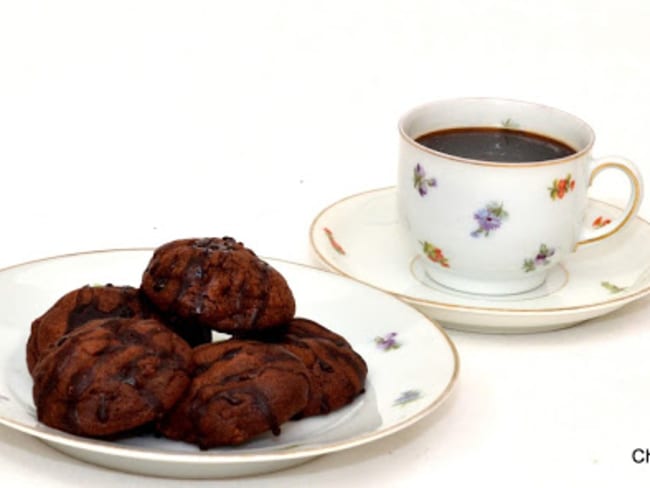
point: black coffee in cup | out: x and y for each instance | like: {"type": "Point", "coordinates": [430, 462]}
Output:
{"type": "Point", "coordinates": [495, 144]}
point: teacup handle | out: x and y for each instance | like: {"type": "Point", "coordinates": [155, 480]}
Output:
{"type": "Point", "coordinates": [633, 203]}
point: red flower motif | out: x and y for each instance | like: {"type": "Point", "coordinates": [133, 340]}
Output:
{"type": "Point", "coordinates": [561, 187]}
{"type": "Point", "coordinates": [435, 254]}
{"type": "Point", "coordinates": [600, 221]}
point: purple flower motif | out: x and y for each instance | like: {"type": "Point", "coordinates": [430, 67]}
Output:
{"type": "Point", "coordinates": [544, 253]}
{"type": "Point", "coordinates": [487, 221]}
{"type": "Point", "coordinates": [489, 218]}
{"type": "Point", "coordinates": [540, 259]}
{"type": "Point", "coordinates": [421, 182]}
{"type": "Point", "coordinates": [2, 397]}
{"type": "Point", "coordinates": [387, 342]}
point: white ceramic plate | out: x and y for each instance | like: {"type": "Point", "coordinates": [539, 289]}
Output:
{"type": "Point", "coordinates": [405, 382]}
{"type": "Point", "coordinates": [360, 238]}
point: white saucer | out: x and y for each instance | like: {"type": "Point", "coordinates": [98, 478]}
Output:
{"type": "Point", "coordinates": [359, 237]}
{"type": "Point", "coordinates": [411, 369]}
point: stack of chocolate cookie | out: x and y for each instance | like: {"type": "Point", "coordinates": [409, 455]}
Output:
{"type": "Point", "coordinates": [108, 360]}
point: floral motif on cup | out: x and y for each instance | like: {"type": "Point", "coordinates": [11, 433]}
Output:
{"type": "Point", "coordinates": [4, 398]}
{"type": "Point", "coordinates": [333, 242]}
{"type": "Point", "coordinates": [387, 342]}
{"type": "Point", "coordinates": [540, 259]}
{"type": "Point", "coordinates": [407, 396]}
{"type": "Point", "coordinates": [434, 254]}
{"type": "Point", "coordinates": [561, 187]}
{"type": "Point", "coordinates": [611, 287]}
{"type": "Point", "coordinates": [489, 219]}
{"type": "Point", "coordinates": [600, 222]}
{"type": "Point", "coordinates": [420, 181]}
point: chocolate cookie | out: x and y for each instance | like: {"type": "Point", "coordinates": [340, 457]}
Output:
{"type": "Point", "coordinates": [240, 389]}
{"type": "Point", "coordinates": [111, 376]}
{"type": "Point", "coordinates": [78, 307]}
{"type": "Point", "coordinates": [218, 283]}
{"type": "Point", "coordinates": [337, 373]}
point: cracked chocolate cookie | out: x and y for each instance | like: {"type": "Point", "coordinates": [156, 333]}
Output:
{"type": "Point", "coordinates": [111, 376]}
{"type": "Point", "coordinates": [77, 307]}
{"type": "Point", "coordinates": [218, 283]}
{"type": "Point", "coordinates": [87, 303]}
{"type": "Point", "coordinates": [240, 389]}
{"type": "Point", "coordinates": [337, 373]}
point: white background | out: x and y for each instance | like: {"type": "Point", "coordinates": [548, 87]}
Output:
{"type": "Point", "coordinates": [130, 123]}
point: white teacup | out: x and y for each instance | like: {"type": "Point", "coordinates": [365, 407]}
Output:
{"type": "Point", "coordinates": [493, 227]}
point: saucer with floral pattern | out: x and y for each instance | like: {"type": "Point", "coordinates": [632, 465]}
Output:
{"type": "Point", "coordinates": [359, 237]}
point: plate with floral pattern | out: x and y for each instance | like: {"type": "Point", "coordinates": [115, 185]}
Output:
{"type": "Point", "coordinates": [412, 367]}
{"type": "Point", "coordinates": [361, 237]}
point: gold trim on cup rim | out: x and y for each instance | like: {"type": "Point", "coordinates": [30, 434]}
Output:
{"type": "Point", "coordinates": [478, 162]}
